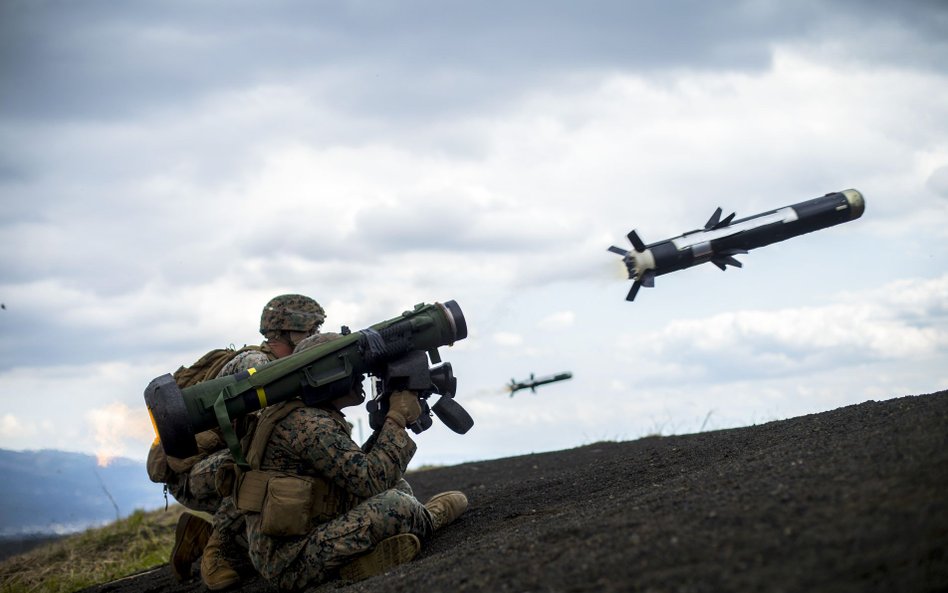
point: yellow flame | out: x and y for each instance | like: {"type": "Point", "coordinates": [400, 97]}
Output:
{"type": "Point", "coordinates": [154, 426]}
{"type": "Point", "coordinates": [621, 271]}
{"type": "Point", "coordinates": [116, 427]}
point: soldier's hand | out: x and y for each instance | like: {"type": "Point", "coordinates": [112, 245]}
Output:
{"type": "Point", "coordinates": [403, 408]}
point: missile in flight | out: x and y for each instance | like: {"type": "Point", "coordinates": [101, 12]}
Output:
{"type": "Point", "coordinates": [533, 383]}
{"type": "Point", "coordinates": [721, 239]}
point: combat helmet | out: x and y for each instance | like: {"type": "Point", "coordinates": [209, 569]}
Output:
{"type": "Point", "coordinates": [291, 313]}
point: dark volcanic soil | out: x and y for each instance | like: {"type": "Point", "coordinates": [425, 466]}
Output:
{"type": "Point", "coordinates": [850, 500]}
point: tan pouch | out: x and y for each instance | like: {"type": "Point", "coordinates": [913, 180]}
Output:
{"type": "Point", "coordinates": [182, 466]}
{"type": "Point", "coordinates": [209, 441]}
{"type": "Point", "coordinates": [157, 464]}
{"type": "Point", "coordinates": [251, 490]}
{"type": "Point", "coordinates": [287, 508]}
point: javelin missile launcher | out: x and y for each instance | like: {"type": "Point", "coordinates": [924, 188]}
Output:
{"type": "Point", "coordinates": [721, 239]}
{"type": "Point", "coordinates": [397, 351]}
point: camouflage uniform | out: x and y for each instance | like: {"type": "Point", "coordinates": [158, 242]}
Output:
{"type": "Point", "coordinates": [196, 489]}
{"type": "Point", "coordinates": [249, 359]}
{"type": "Point", "coordinates": [316, 441]}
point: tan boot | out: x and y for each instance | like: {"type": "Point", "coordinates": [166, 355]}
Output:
{"type": "Point", "coordinates": [216, 571]}
{"type": "Point", "coordinates": [190, 537]}
{"type": "Point", "coordinates": [389, 553]}
{"type": "Point", "coordinates": [446, 507]}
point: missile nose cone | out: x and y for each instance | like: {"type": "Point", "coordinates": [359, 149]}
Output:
{"type": "Point", "coordinates": [857, 204]}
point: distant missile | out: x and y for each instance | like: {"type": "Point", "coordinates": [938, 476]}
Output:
{"type": "Point", "coordinates": [532, 383]}
{"type": "Point", "coordinates": [720, 240]}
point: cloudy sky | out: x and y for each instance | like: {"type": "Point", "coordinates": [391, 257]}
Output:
{"type": "Point", "coordinates": [166, 168]}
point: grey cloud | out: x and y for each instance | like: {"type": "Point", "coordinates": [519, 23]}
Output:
{"type": "Point", "coordinates": [423, 223]}
{"type": "Point", "coordinates": [34, 336]}
{"type": "Point", "coordinates": [723, 353]}
{"type": "Point", "coordinates": [13, 170]}
{"type": "Point", "coordinates": [938, 182]}
{"type": "Point", "coordinates": [94, 60]}
{"type": "Point", "coordinates": [753, 360]}
{"type": "Point", "coordinates": [106, 251]}
{"type": "Point", "coordinates": [380, 234]}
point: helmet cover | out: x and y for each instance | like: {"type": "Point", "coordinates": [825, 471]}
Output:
{"type": "Point", "coordinates": [291, 312]}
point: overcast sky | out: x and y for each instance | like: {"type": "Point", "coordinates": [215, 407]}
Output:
{"type": "Point", "coordinates": [168, 167]}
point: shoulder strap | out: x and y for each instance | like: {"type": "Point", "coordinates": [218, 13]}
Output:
{"type": "Point", "coordinates": [268, 420]}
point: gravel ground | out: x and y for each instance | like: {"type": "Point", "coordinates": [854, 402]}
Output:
{"type": "Point", "coordinates": [855, 499]}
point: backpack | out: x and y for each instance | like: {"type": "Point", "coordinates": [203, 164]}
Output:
{"type": "Point", "coordinates": [207, 367]}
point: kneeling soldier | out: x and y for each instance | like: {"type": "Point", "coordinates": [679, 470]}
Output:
{"type": "Point", "coordinates": [317, 505]}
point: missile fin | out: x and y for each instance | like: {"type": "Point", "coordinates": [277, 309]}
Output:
{"type": "Point", "coordinates": [633, 291]}
{"type": "Point", "coordinates": [714, 220]}
{"type": "Point", "coordinates": [648, 279]}
{"type": "Point", "coordinates": [727, 220]}
{"type": "Point", "coordinates": [724, 260]}
{"type": "Point", "coordinates": [618, 250]}
{"type": "Point", "coordinates": [636, 241]}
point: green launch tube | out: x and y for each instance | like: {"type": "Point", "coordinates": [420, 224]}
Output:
{"type": "Point", "coordinates": [318, 374]}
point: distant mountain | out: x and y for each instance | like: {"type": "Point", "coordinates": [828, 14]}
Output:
{"type": "Point", "coordinates": [49, 491]}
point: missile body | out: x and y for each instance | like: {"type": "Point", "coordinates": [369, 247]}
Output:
{"type": "Point", "coordinates": [720, 240]}
{"type": "Point", "coordinates": [532, 383]}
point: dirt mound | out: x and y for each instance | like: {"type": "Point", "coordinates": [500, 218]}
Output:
{"type": "Point", "coordinates": [849, 500]}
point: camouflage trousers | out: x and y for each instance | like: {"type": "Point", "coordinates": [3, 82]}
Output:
{"type": "Point", "coordinates": [291, 566]}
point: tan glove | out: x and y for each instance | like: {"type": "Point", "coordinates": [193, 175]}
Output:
{"type": "Point", "coordinates": [403, 408]}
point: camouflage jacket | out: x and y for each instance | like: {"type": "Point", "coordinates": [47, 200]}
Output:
{"type": "Point", "coordinates": [316, 441]}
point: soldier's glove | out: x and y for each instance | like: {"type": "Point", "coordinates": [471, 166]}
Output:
{"type": "Point", "coordinates": [403, 408]}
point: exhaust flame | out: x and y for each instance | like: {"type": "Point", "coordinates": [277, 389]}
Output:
{"type": "Point", "coordinates": [114, 426]}
{"type": "Point", "coordinates": [614, 269]}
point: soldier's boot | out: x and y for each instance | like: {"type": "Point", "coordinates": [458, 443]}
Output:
{"type": "Point", "coordinates": [389, 553]}
{"type": "Point", "coordinates": [190, 537]}
{"type": "Point", "coordinates": [446, 507]}
{"type": "Point", "coordinates": [216, 571]}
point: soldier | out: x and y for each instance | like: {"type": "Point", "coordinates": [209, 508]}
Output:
{"type": "Point", "coordinates": [317, 505]}
{"type": "Point", "coordinates": [286, 320]}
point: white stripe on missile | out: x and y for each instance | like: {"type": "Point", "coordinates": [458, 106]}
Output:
{"type": "Point", "coordinates": [783, 215]}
